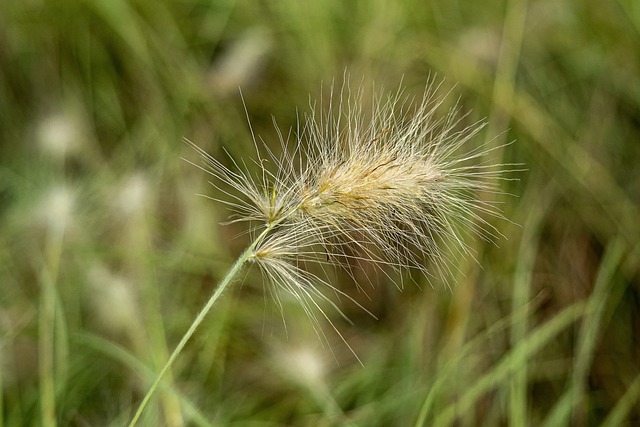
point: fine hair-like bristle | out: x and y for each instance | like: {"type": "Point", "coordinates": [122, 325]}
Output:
{"type": "Point", "coordinates": [396, 185]}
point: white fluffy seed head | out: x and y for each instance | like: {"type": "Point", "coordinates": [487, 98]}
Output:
{"type": "Point", "coordinates": [393, 185]}
{"type": "Point", "coordinates": [60, 135]}
{"type": "Point", "coordinates": [57, 208]}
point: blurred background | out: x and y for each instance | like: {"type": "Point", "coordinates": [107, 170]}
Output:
{"type": "Point", "coordinates": [107, 252]}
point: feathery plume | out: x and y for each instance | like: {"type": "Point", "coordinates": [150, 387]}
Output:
{"type": "Point", "coordinates": [394, 186]}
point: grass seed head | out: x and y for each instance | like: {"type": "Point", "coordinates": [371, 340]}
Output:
{"type": "Point", "coordinates": [395, 185]}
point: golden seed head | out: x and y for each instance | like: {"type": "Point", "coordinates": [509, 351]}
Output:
{"type": "Point", "coordinates": [385, 186]}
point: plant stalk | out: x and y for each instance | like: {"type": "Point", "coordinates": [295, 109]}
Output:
{"type": "Point", "coordinates": [224, 284]}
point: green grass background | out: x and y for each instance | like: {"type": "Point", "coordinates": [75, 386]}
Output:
{"type": "Point", "coordinates": [107, 253]}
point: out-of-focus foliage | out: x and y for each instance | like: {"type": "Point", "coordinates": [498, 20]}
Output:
{"type": "Point", "coordinates": [107, 253]}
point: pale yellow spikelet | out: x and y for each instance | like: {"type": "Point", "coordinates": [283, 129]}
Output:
{"type": "Point", "coordinates": [282, 257]}
{"type": "Point", "coordinates": [394, 185]}
{"type": "Point", "coordinates": [379, 186]}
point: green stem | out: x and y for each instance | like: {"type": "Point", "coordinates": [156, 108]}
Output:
{"type": "Point", "coordinates": [233, 271]}
{"type": "Point", "coordinates": [46, 327]}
